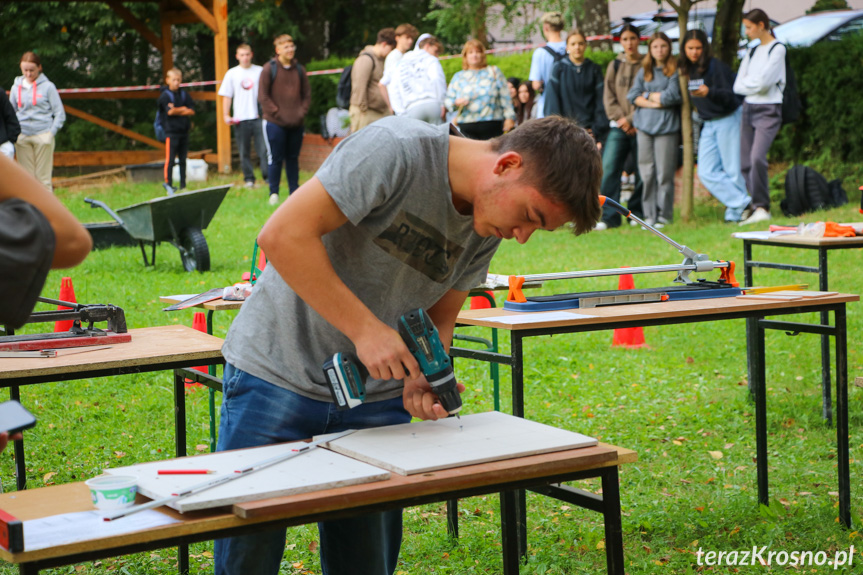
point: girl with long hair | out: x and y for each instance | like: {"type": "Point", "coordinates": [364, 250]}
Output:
{"type": "Point", "coordinates": [621, 139]}
{"type": "Point", "coordinates": [761, 80]}
{"type": "Point", "coordinates": [527, 108]}
{"type": "Point", "coordinates": [656, 95]}
{"type": "Point", "coordinates": [40, 114]}
{"type": "Point", "coordinates": [711, 83]}
{"type": "Point", "coordinates": [575, 88]}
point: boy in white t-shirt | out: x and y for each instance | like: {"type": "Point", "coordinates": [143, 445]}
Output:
{"type": "Point", "coordinates": [240, 88]}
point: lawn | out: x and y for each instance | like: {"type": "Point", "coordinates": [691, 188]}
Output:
{"type": "Point", "coordinates": [681, 403]}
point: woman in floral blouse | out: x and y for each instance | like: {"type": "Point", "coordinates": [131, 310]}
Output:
{"type": "Point", "coordinates": [479, 96]}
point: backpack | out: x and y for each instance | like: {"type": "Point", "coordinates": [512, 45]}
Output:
{"type": "Point", "coordinates": [791, 104]}
{"type": "Point", "coordinates": [807, 191]}
{"type": "Point", "coordinates": [343, 91]}
{"type": "Point", "coordinates": [274, 70]}
{"type": "Point", "coordinates": [158, 123]}
{"type": "Point", "coordinates": [554, 54]}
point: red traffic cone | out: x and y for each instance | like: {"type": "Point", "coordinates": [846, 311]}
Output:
{"type": "Point", "coordinates": [481, 302]}
{"type": "Point", "coordinates": [628, 336]}
{"type": "Point", "coordinates": [199, 323]}
{"type": "Point", "coordinates": [67, 293]}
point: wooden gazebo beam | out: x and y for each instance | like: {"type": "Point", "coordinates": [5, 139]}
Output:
{"type": "Point", "coordinates": [203, 14]}
{"type": "Point", "coordinates": [136, 24]}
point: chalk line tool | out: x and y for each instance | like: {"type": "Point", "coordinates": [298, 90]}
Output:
{"type": "Point", "coordinates": [198, 488]}
{"type": "Point", "coordinates": [184, 472]}
{"type": "Point", "coordinates": [692, 288]}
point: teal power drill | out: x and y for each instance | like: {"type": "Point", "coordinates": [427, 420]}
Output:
{"type": "Point", "coordinates": [345, 376]}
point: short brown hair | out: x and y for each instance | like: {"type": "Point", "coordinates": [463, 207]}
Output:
{"type": "Point", "coordinates": [407, 30]}
{"type": "Point", "coordinates": [283, 39]}
{"type": "Point", "coordinates": [562, 163]}
{"type": "Point", "coordinates": [244, 47]}
{"type": "Point", "coordinates": [554, 21]}
{"type": "Point", "coordinates": [387, 36]}
{"type": "Point", "coordinates": [473, 44]}
{"type": "Point", "coordinates": [175, 71]}
{"type": "Point", "coordinates": [31, 57]}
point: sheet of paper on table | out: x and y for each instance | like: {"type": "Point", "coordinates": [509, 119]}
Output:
{"type": "Point", "coordinates": [83, 525]}
{"type": "Point", "coordinates": [762, 235]}
{"type": "Point", "coordinates": [538, 317]}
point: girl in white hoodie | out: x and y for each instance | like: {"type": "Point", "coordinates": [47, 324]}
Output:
{"type": "Point", "coordinates": [761, 79]}
{"type": "Point", "coordinates": [40, 113]}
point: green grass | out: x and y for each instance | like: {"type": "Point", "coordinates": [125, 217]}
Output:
{"type": "Point", "coordinates": [674, 403]}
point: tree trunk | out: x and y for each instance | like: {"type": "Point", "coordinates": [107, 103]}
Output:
{"type": "Point", "coordinates": [726, 29]}
{"type": "Point", "coordinates": [478, 28]}
{"type": "Point", "coordinates": [595, 22]}
{"type": "Point", "coordinates": [688, 174]}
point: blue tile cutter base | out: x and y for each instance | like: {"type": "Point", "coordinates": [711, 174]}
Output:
{"type": "Point", "coordinates": [691, 289]}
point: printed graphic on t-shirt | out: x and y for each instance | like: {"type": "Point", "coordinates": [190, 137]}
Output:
{"type": "Point", "coordinates": [247, 83]}
{"type": "Point", "coordinates": [419, 245]}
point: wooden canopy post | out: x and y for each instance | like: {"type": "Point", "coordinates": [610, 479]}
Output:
{"type": "Point", "coordinates": [220, 39]}
{"type": "Point", "coordinates": [167, 42]}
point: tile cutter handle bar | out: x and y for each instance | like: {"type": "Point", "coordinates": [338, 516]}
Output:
{"type": "Point", "coordinates": [692, 262]}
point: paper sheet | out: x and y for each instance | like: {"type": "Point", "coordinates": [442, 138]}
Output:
{"type": "Point", "coordinates": [72, 527]}
{"type": "Point", "coordinates": [538, 317]}
{"type": "Point", "coordinates": [763, 235]}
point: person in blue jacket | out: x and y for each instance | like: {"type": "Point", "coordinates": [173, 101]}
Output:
{"type": "Point", "coordinates": [655, 93]}
{"type": "Point", "coordinates": [711, 84]}
{"type": "Point", "coordinates": [575, 88]}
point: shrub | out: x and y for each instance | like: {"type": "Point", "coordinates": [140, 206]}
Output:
{"type": "Point", "coordinates": [828, 79]}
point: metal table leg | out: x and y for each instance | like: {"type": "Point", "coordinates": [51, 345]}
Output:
{"type": "Point", "coordinates": [613, 523]}
{"type": "Point", "coordinates": [750, 322]}
{"type": "Point", "coordinates": [826, 380]}
{"type": "Point", "coordinates": [180, 443]}
{"type": "Point", "coordinates": [211, 369]}
{"type": "Point", "coordinates": [842, 417]}
{"type": "Point", "coordinates": [519, 499]}
{"type": "Point", "coordinates": [758, 373]}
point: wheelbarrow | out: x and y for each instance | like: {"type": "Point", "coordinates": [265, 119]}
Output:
{"type": "Point", "coordinates": [178, 218]}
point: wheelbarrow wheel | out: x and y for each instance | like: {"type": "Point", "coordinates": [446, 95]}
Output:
{"type": "Point", "coordinates": [194, 251]}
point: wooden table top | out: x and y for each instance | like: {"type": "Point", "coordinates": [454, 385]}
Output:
{"type": "Point", "coordinates": [648, 311]}
{"type": "Point", "coordinates": [74, 497]}
{"type": "Point", "coordinates": [150, 346]}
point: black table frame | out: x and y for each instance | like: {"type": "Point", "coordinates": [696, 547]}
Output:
{"type": "Point", "coordinates": [15, 383]}
{"type": "Point", "coordinates": [757, 367]}
{"type": "Point", "coordinates": [823, 285]}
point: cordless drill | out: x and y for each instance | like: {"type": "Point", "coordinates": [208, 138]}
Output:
{"type": "Point", "coordinates": [345, 375]}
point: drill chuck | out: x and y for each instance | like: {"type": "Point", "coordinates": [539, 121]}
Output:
{"type": "Point", "coordinates": [443, 384]}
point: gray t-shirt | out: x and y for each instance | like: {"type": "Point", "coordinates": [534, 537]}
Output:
{"type": "Point", "coordinates": [404, 246]}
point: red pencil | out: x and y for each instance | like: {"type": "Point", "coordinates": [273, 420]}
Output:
{"type": "Point", "coordinates": [184, 471]}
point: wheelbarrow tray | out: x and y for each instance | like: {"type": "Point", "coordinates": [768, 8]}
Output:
{"type": "Point", "coordinates": [109, 234]}
{"type": "Point", "coordinates": [162, 219]}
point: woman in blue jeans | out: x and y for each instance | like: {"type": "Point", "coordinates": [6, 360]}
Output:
{"type": "Point", "coordinates": [619, 77]}
{"type": "Point", "coordinates": [711, 84]}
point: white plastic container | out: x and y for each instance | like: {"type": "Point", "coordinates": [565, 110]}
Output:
{"type": "Point", "coordinates": [113, 491]}
{"type": "Point", "coordinates": [196, 171]}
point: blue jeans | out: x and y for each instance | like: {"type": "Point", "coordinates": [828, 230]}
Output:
{"type": "Point", "coordinates": [254, 413]}
{"type": "Point", "coordinates": [617, 147]}
{"type": "Point", "coordinates": [283, 145]}
{"type": "Point", "coordinates": [719, 163]}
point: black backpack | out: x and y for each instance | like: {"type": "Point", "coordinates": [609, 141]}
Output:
{"type": "Point", "coordinates": [807, 191]}
{"type": "Point", "coordinates": [274, 69]}
{"type": "Point", "coordinates": [554, 54]}
{"type": "Point", "coordinates": [343, 91]}
{"type": "Point", "coordinates": [791, 104]}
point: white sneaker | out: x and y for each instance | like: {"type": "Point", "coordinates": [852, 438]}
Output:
{"type": "Point", "coordinates": [600, 226]}
{"type": "Point", "coordinates": [633, 223]}
{"type": "Point", "coordinates": [274, 199]}
{"type": "Point", "coordinates": [658, 225]}
{"type": "Point", "coordinates": [249, 184]}
{"type": "Point", "coordinates": [759, 215]}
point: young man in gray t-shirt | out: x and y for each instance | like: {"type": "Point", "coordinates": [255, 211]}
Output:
{"type": "Point", "coordinates": [401, 215]}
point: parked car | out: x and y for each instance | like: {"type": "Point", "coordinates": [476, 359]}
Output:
{"type": "Point", "coordinates": [819, 27]}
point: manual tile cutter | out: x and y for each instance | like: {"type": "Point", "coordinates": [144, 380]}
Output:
{"type": "Point", "coordinates": [726, 286]}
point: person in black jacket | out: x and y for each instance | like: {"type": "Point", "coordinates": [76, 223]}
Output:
{"type": "Point", "coordinates": [176, 108]}
{"type": "Point", "coordinates": [10, 129]}
{"type": "Point", "coordinates": [575, 87]}
{"type": "Point", "coordinates": [711, 84]}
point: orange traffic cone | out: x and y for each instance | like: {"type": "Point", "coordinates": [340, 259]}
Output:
{"type": "Point", "coordinates": [628, 336]}
{"type": "Point", "coordinates": [67, 293]}
{"type": "Point", "coordinates": [481, 302]}
{"type": "Point", "coordinates": [199, 323]}
{"type": "Point", "coordinates": [262, 259]}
